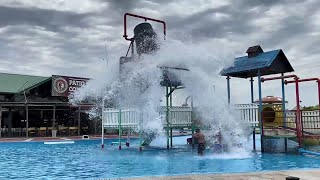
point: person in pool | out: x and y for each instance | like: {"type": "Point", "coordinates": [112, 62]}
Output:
{"type": "Point", "coordinates": [201, 141]}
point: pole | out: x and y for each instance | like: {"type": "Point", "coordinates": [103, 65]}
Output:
{"type": "Point", "coordinates": [284, 111]}
{"type": "Point", "coordinates": [170, 108]}
{"type": "Point", "coordinates": [319, 96]}
{"type": "Point", "coordinates": [128, 137]}
{"type": "Point", "coordinates": [192, 125]}
{"type": "Point", "coordinates": [102, 123]}
{"type": "Point", "coordinates": [251, 83]}
{"type": "Point", "coordinates": [54, 121]}
{"type": "Point", "coordinates": [0, 120]}
{"type": "Point", "coordinates": [254, 138]}
{"type": "Point", "coordinates": [102, 131]}
{"type": "Point", "coordinates": [298, 119]}
{"type": "Point", "coordinates": [140, 133]}
{"type": "Point", "coordinates": [252, 101]}
{"type": "Point", "coordinates": [167, 114]}
{"type": "Point", "coordinates": [119, 129]}
{"type": "Point", "coordinates": [171, 144]}
{"type": "Point", "coordinates": [27, 120]}
{"type": "Point", "coordinates": [79, 119]}
{"type": "Point", "coordinates": [260, 111]}
{"type": "Point", "coordinates": [132, 49]}
{"type": "Point", "coordinates": [228, 87]}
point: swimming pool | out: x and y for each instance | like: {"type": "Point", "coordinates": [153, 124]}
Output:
{"type": "Point", "coordinates": [86, 160]}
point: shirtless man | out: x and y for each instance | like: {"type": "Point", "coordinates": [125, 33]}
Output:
{"type": "Point", "coordinates": [201, 141]}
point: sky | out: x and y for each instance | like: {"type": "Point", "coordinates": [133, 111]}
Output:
{"type": "Point", "coordinates": [68, 37]}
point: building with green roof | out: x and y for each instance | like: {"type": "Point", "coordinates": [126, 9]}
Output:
{"type": "Point", "coordinates": [39, 106]}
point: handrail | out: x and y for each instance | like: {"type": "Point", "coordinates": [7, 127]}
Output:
{"type": "Point", "coordinates": [279, 77]}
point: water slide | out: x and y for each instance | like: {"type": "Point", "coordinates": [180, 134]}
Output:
{"type": "Point", "coordinates": [303, 151]}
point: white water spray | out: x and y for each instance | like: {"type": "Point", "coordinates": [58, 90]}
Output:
{"type": "Point", "coordinates": [140, 88]}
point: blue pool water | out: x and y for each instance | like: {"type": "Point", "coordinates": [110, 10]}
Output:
{"type": "Point", "coordinates": [86, 160]}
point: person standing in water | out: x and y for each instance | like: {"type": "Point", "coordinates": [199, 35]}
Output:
{"type": "Point", "coordinates": [201, 141]}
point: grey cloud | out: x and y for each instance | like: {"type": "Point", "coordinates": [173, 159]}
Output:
{"type": "Point", "coordinates": [52, 20]}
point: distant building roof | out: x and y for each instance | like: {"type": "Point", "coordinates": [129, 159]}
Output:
{"type": "Point", "coordinates": [270, 100]}
{"type": "Point", "coordinates": [271, 62]}
{"type": "Point", "coordinates": [295, 108]}
{"type": "Point", "coordinates": [15, 83]}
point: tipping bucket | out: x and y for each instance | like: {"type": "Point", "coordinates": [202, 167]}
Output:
{"type": "Point", "coordinates": [145, 38]}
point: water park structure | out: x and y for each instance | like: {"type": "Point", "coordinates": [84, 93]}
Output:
{"type": "Point", "coordinates": [175, 117]}
{"type": "Point", "coordinates": [301, 126]}
{"type": "Point", "coordinates": [278, 127]}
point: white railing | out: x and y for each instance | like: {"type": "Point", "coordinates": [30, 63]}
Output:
{"type": "Point", "coordinates": [249, 113]}
{"type": "Point", "coordinates": [130, 118]}
{"type": "Point", "coordinates": [310, 119]}
{"type": "Point", "coordinates": [181, 117]}
{"type": "Point", "coordinates": [178, 116]}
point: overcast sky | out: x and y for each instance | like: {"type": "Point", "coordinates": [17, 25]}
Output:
{"type": "Point", "coordinates": [45, 37]}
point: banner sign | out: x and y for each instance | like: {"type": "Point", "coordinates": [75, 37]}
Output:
{"type": "Point", "coordinates": [64, 85]}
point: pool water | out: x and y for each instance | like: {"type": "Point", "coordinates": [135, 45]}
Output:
{"type": "Point", "coordinates": [86, 160]}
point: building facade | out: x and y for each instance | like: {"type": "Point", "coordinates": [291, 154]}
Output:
{"type": "Point", "coordinates": [39, 106]}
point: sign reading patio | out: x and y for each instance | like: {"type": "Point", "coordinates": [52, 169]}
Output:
{"type": "Point", "coordinates": [64, 85]}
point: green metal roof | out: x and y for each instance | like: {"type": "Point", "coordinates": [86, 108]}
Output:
{"type": "Point", "coordinates": [15, 83]}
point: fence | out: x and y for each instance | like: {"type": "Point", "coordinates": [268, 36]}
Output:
{"type": "Point", "coordinates": [310, 119]}
{"type": "Point", "coordinates": [131, 118]}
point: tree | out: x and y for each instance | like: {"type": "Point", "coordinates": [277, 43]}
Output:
{"type": "Point", "coordinates": [310, 108]}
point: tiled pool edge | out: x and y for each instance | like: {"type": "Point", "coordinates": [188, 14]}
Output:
{"type": "Point", "coordinates": [303, 174]}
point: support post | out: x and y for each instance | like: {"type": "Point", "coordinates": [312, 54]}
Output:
{"type": "Point", "coordinates": [251, 85]}
{"type": "Point", "coordinates": [192, 132]}
{"type": "Point", "coordinates": [192, 121]}
{"type": "Point", "coordinates": [132, 49]}
{"type": "Point", "coordinates": [102, 122]}
{"type": "Point", "coordinates": [79, 119]}
{"type": "Point", "coordinates": [167, 114]}
{"type": "Point", "coordinates": [228, 87]}
{"type": "Point", "coordinates": [0, 121]}
{"type": "Point", "coordinates": [254, 138]}
{"type": "Point", "coordinates": [54, 128]}
{"type": "Point", "coordinates": [102, 131]}
{"type": "Point", "coordinates": [128, 137]}
{"type": "Point", "coordinates": [284, 111]}
{"type": "Point", "coordinates": [260, 111]}
{"type": "Point", "coordinates": [298, 112]}
{"type": "Point", "coordinates": [252, 101]}
{"type": "Point", "coordinates": [119, 129]}
{"type": "Point", "coordinates": [171, 143]}
{"type": "Point", "coordinates": [140, 135]}
{"type": "Point", "coordinates": [27, 120]}
{"type": "Point", "coordinates": [319, 96]}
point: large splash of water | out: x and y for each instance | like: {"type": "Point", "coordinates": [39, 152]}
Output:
{"type": "Point", "coordinates": [140, 88]}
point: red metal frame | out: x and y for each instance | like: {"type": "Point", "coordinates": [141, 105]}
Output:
{"type": "Point", "coordinates": [298, 118]}
{"type": "Point", "coordinates": [307, 80]}
{"type": "Point", "coordinates": [141, 17]}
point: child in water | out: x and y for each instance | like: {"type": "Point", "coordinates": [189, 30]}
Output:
{"type": "Point", "coordinates": [201, 141]}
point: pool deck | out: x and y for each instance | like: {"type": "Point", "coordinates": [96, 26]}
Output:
{"type": "Point", "coordinates": [66, 138]}
{"type": "Point", "coordinates": [310, 174]}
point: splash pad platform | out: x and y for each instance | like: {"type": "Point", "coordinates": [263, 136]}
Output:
{"type": "Point", "coordinates": [130, 119]}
